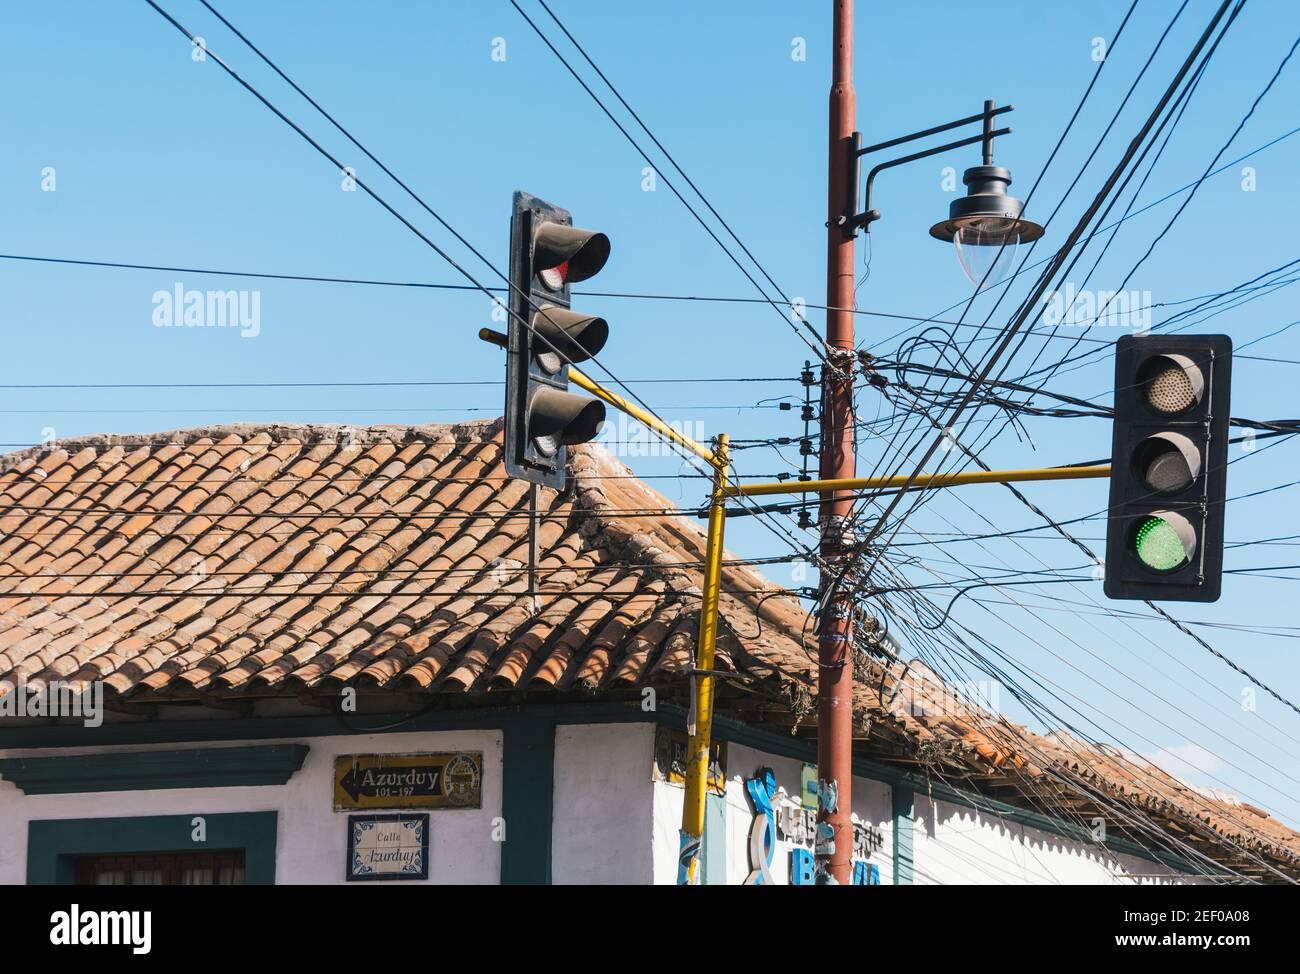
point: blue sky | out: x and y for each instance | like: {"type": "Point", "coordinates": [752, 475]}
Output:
{"type": "Point", "coordinates": [160, 159]}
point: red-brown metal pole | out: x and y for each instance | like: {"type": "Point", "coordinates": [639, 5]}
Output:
{"type": "Point", "coordinates": [834, 848]}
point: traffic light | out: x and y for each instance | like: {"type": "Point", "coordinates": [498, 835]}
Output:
{"type": "Point", "coordinates": [1169, 474]}
{"type": "Point", "coordinates": [547, 254]}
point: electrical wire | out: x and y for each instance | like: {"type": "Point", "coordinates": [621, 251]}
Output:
{"type": "Point", "coordinates": [818, 351]}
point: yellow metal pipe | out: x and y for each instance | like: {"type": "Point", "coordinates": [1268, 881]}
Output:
{"type": "Point", "coordinates": [637, 413]}
{"type": "Point", "coordinates": [701, 735]}
{"type": "Point", "coordinates": [922, 480]}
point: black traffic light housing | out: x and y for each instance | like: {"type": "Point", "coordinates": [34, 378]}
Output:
{"type": "Point", "coordinates": [1169, 468]}
{"type": "Point", "coordinates": [547, 254]}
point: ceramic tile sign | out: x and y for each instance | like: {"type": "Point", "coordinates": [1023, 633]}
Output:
{"type": "Point", "coordinates": [388, 847]}
{"type": "Point", "coordinates": [445, 780]}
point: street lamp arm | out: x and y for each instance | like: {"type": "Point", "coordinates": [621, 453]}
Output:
{"type": "Point", "coordinates": [982, 116]}
{"type": "Point", "coordinates": [869, 215]}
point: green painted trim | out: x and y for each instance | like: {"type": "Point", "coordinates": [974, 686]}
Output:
{"type": "Point", "coordinates": [904, 811]}
{"type": "Point", "coordinates": [212, 767]}
{"type": "Point", "coordinates": [528, 797]}
{"type": "Point", "coordinates": [53, 843]}
{"type": "Point", "coordinates": [323, 725]}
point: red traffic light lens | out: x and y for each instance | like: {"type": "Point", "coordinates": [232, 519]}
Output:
{"type": "Point", "coordinates": [566, 255]}
{"type": "Point", "coordinates": [554, 277]}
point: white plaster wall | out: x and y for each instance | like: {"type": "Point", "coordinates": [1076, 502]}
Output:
{"type": "Point", "coordinates": [311, 840]}
{"type": "Point", "coordinates": [667, 843]}
{"type": "Point", "coordinates": [953, 844]}
{"type": "Point", "coordinates": [603, 821]}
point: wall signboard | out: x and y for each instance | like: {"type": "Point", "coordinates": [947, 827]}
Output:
{"type": "Point", "coordinates": [446, 780]}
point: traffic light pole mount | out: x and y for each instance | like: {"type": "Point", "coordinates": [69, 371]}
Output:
{"type": "Point", "coordinates": [647, 419]}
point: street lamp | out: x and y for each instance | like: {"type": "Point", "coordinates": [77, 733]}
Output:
{"type": "Point", "coordinates": [987, 224]}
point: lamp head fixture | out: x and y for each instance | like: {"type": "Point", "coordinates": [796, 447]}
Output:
{"type": "Point", "coordinates": [986, 225]}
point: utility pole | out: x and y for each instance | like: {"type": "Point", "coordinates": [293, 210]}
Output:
{"type": "Point", "coordinates": [834, 846]}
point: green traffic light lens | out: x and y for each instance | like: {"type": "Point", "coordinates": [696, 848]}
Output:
{"type": "Point", "coordinates": [1158, 546]}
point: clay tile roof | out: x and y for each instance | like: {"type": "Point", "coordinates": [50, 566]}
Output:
{"type": "Point", "coordinates": [261, 561]}
{"type": "Point", "coordinates": [254, 561]}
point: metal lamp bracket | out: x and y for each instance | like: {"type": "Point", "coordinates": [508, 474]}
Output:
{"type": "Point", "coordinates": [862, 218]}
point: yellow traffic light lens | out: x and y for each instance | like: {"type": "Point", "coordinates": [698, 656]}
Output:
{"type": "Point", "coordinates": [1158, 546]}
{"type": "Point", "coordinates": [1170, 390]}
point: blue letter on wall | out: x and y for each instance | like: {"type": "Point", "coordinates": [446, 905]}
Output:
{"type": "Point", "coordinates": [802, 868]}
{"type": "Point", "coordinates": [865, 874]}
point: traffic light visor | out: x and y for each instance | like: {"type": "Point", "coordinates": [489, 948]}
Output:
{"type": "Point", "coordinates": [557, 419]}
{"type": "Point", "coordinates": [564, 255]}
{"type": "Point", "coordinates": [567, 336]}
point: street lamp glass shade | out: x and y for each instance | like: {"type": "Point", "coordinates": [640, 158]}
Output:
{"type": "Point", "coordinates": [986, 225]}
{"type": "Point", "coordinates": [985, 247]}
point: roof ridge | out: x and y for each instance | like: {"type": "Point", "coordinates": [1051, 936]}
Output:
{"type": "Point", "coordinates": [309, 434]}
